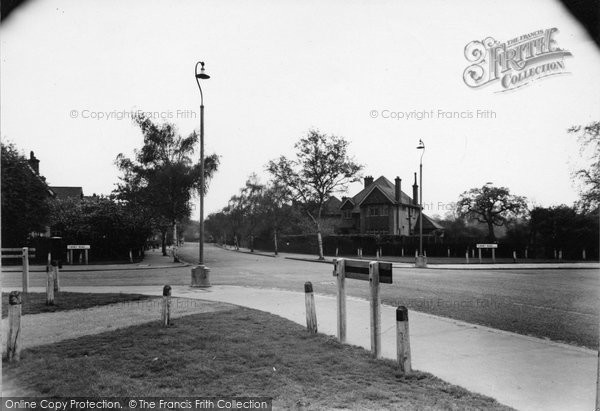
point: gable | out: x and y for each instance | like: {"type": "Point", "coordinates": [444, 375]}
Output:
{"type": "Point", "coordinates": [376, 196]}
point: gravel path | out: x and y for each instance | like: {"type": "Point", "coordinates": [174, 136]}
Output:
{"type": "Point", "coordinates": [47, 328]}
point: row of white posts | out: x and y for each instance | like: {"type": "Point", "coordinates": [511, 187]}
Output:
{"type": "Point", "coordinates": [558, 254]}
{"type": "Point", "coordinates": [375, 272]}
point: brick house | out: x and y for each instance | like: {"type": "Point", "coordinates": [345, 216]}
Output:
{"type": "Point", "coordinates": [382, 208]}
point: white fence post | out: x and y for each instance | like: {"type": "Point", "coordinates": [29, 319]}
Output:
{"type": "Point", "coordinates": [375, 309]}
{"type": "Point", "coordinates": [25, 269]}
{"type": "Point", "coordinates": [340, 267]}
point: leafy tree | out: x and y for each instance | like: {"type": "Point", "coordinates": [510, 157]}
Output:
{"type": "Point", "coordinates": [276, 210]}
{"type": "Point", "coordinates": [25, 198]}
{"type": "Point", "coordinates": [163, 175]}
{"type": "Point", "coordinates": [589, 138]}
{"type": "Point", "coordinates": [111, 228]}
{"type": "Point", "coordinates": [564, 228]}
{"type": "Point", "coordinates": [321, 168]}
{"type": "Point", "coordinates": [490, 205]}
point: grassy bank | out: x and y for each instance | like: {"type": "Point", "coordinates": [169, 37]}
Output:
{"type": "Point", "coordinates": [35, 303]}
{"type": "Point", "coordinates": [232, 353]}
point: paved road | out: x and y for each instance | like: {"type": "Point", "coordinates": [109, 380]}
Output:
{"type": "Point", "coordinates": [558, 304]}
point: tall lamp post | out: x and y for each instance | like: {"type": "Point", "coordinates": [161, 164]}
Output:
{"type": "Point", "coordinates": [200, 274]}
{"type": "Point", "coordinates": [421, 259]}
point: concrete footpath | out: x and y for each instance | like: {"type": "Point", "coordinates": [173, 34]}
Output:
{"type": "Point", "coordinates": [523, 372]}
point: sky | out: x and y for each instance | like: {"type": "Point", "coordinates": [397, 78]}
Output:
{"type": "Point", "coordinates": [71, 71]}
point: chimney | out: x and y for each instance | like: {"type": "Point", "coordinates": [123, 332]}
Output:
{"type": "Point", "coordinates": [368, 181]}
{"type": "Point", "coordinates": [34, 163]}
{"type": "Point", "coordinates": [415, 192]}
{"type": "Point", "coordinates": [398, 182]}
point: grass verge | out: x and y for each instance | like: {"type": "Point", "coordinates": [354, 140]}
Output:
{"type": "Point", "coordinates": [241, 352]}
{"type": "Point", "coordinates": [35, 303]}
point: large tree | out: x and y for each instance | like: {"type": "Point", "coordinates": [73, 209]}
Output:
{"type": "Point", "coordinates": [491, 205]}
{"type": "Point", "coordinates": [25, 198]}
{"type": "Point", "coordinates": [163, 175]}
{"type": "Point", "coordinates": [321, 168]}
{"type": "Point", "coordinates": [589, 175]}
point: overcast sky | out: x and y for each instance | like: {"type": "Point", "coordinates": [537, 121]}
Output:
{"type": "Point", "coordinates": [280, 68]}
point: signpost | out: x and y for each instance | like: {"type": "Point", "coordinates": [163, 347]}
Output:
{"type": "Point", "coordinates": [375, 272]}
{"type": "Point", "coordinates": [492, 246]}
{"type": "Point", "coordinates": [72, 247]}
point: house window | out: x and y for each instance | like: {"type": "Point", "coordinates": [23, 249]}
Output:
{"type": "Point", "coordinates": [347, 214]}
{"type": "Point", "coordinates": [376, 211]}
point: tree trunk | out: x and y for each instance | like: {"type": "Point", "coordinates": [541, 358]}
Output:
{"type": "Point", "coordinates": [164, 242]}
{"type": "Point", "coordinates": [175, 242]}
{"type": "Point", "coordinates": [491, 236]}
{"type": "Point", "coordinates": [320, 241]}
{"type": "Point", "coordinates": [275, 241]}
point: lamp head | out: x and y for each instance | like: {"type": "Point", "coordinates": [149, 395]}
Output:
{"type": "Point", "coordinates": [421, 145]}
{"type": "Point", "coordinates": [202, 74]}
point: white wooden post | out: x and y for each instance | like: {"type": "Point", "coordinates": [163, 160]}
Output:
{"type": "Point", "coordinates": [340, 267]}
{"type": "Point", "coordinates": [416, 253]}
{"type": "Point", "coordinates": [583, 253]}
{"type": "Point", "coordinates": [448, 253]}
{"type": "Point", "coordinates": [86, 256]}
{"type": "Point", "coordinates": [130, 256]}
{"type": "Point", "coordinates": [375, 309]}
{"type": "Point", "coordinates": [166, 306]}
{"type": "Point", "coordinates": [472, 253]}
{"type": "Point", "coordinates": [50, 285]}
{"type": "Point", "coordinates": [13, 340]}
{"type": "Point", "coordinates": [493, 255]}
{"type": "Point", "coordinates": [311, 313]}
{"type": "Point", "coordinates": [25, 269]}
{"type": "Point", "coordinates": [70, 257]}
{"type": "Point", "coordinates": [403, 340]}
{"type": "Point", "coordinates": [336, 251]}
{"type": "Point", "coordinates": [514, 256]}
{"type": "Point", "coordinates": [555, 254]}
{"type": "Point", "coordinates": [402, 252]}
{"type": "Point", "coordinates": [526, 252]}
{"type": "Point", "coordinates": [560, 254]}
{"type": "Point", "coordinates": [467, 256]}
{"type": "Point", "coordinates": [49, 259]}
{"type": "Point", "coordinates": [479, 249]}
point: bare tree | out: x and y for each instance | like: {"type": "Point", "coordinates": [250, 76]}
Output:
{"type": "Point", "coordinates": [321, 168]}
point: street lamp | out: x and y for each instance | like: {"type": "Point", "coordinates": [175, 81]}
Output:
{"type": "Point", "coordinates": [200, 276]}
{"type": "Point", "coordinates": [421, 260]}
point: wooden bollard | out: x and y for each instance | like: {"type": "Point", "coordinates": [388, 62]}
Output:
{"type": "Point", "coordinates": [467, 256]}
{"type": "Point", "coordinates": [166, 306]}
{"type": "Point", "coordinates": [13, 340]}
{"type": "Point", "coordinates": [402, 252]}
{"type": "Point", "coordinates": [479, 250]}
{"type": "Point", "coordinates": [25, 269]}
{"type": "Point", "coordinates": [403, 340]}
{"type": "Point", "coordinates": [311, 313]}
{"type": "Point", "coordinates": [50, 285]}
{"type": "Point", "coordinates": [375, 309]}
{"type": "Point", "coordinates": [514, 256]}
{"type": "Point", "coordinates": [448, 253]}
{"type": "Point", "coordinates": [583, 253]}
{"type": "Point", "coordinates": [130, 256]}
{"type": "Point", "coordinates": [340, 268]}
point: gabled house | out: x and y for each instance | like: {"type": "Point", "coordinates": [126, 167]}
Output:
{"type": "Point", "coordinates": [381, 207]}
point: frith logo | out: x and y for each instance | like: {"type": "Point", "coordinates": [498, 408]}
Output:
{"type": "Point", "coordinates": [514, 63]}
